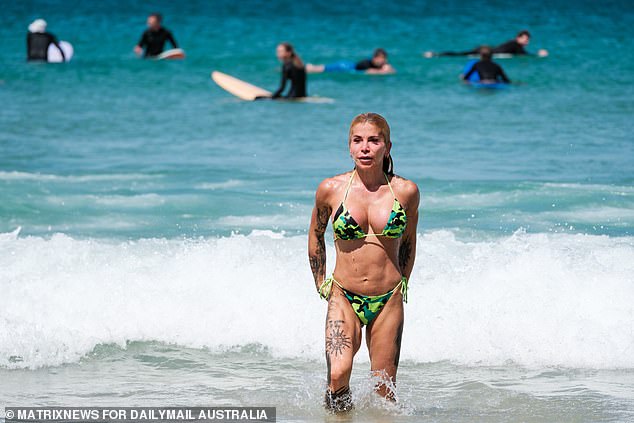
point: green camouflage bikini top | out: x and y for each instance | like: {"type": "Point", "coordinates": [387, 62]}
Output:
{"type": "Point", "coordinates": [345, 227]}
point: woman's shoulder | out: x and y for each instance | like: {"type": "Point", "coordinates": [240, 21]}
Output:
{"type": "Point", "coordinates": [405, 189]}
{"type": "Point", "coordinates": [333, 185]}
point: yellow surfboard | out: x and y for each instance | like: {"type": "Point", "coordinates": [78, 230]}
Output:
{"type": "Point", "coordinates": [239, 88]}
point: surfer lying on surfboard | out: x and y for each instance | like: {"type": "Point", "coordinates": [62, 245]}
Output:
{"type": "Point", "coordinates": [377, 65]}
{"type": "Point", "coordinates": [487, 70]}
{"type": "Point", "coordinates": [512, 47]}
{"type": "Point", "coordinates": [154, 38]}
{"type": "Point", "coordinates": [292, 70]}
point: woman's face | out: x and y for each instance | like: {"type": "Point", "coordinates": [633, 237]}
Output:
{"type": "Point", "coordinates": [281, 53]}
{"type": "Point", "coordinates": [368, 148]}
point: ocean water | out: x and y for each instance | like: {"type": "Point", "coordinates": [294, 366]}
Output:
{"type": "Point", "coordinates": [153, 227]}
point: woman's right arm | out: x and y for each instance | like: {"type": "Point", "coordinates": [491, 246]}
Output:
{"type": "Point", "coordinates": [316, 242]}
{"type": "Point", "coordinates": [279, 91]}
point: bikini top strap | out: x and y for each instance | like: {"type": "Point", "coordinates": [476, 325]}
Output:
{"type": "Point", "coordinates": [349, 185]}
{"type": "Point", "coordinates": [389, 185]}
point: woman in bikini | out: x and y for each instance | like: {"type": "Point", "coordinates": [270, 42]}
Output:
{"type": "Point", "coordinates": [374, 214]}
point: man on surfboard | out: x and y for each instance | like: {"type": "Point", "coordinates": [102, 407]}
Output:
{"type": "Point", "coordinates": [513, 47]}
{"type": "Point", "coordinates": [154, 38]}
{"type": "Point", "coordinates": [38, 41]}
{"type": "Point", "coordinates": [488, 71]}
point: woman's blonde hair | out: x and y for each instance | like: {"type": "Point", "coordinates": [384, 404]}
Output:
{"type": "Point", "coordinates": [384, 129]}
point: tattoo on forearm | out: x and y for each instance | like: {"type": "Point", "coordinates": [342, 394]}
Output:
{"type": "Point", "coordinates": [397, 341]}
{"type": "Point", "coordinates": [318, 259]}
{"type": "Point", "coordinates": [337, 341]}
{"type": "Point", "coordinates": [404, 253]}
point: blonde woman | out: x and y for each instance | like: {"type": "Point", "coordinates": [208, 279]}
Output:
{"type": "Point", "coordinates": [374, 214]}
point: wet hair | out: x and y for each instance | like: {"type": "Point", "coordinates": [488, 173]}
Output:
{"type": "Point", "coordinates": [157, 16]}
{"type": "Point", "coordinates": [486, 53]}
{"type": "Point", "coordinates": [378, 121]}
{"type": "Point", "coordinates": [523, 32]}
{"type": "Point", "coordinates": [297, 61]}
{"type": "Point", "coordinates": [379, 52]}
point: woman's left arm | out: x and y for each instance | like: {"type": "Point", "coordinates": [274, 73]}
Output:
{"type": "Point", "coordinates": [407, 249]}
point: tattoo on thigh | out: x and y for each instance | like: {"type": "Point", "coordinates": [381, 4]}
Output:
{"type": "Point", "coordinates": [328, 367]}
{"type": "Point", "coordinates": [337, 341]}
{"type": "Point", "coordinates": [331, 306]}
{"type": "Point", "coordinates": [397, 341]}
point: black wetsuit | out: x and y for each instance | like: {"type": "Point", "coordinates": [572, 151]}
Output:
{"type": "Point", "coordinates": [488, 71]}
{"type": "Point", "coordinates": [365, 65]}
{"type": "Point", "coordinates": [297, 76]}
{"type": "Point", "coordinates": [154, 41]}
{"type": "Point", "coordinates": [509, 47]}
{"type": "Point", "coordinates": [37, 45]}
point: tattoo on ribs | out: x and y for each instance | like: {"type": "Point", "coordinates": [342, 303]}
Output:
{"type": "Point", "coordinates": [336, 341]}
{"type": "Point", "coordinates": [404, 253]}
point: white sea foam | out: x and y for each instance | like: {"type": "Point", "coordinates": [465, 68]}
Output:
{"type": "Point", "coordinates": [230, 183]}
{"type": "Point", "coordinates": [560, 300]}
{"type": "Point", "coordinates": [115, 201]}
{"type": "Point", "coordinates": [15, 175]}
{"type": "Point", "coordinates": [298, 219]}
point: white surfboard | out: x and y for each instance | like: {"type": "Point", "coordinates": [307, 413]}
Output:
{"type": "Point", "coordinates": [239, 88]}
{"type": "Point", "coordinates": [175, 53]}
{"type": "Point", "coordinates": [54, 55]}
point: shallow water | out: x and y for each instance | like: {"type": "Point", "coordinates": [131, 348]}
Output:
{"type": "Point", "coordinates": [146, 215]}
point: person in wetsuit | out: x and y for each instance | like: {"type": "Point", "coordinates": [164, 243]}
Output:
{"type": "Point", "coordinates": [377, 64]}
{"type": "Point", "coordinates": [514, 47]}
{"type": "Point", "coordinates": [489, 71]}
{"type": "Point", "coordinates": [293, 70]}
{"type": "Point", "coordinates": [38, 40]}
{"type": "Point", "coordinates": [154, 38]}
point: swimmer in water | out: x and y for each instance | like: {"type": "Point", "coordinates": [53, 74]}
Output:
{"type": "Point", "coordinates": [489, 71]}
{"type": "Point", "coordinates": [513, 47]}
{"type": "Point", "coordinates": [38, 41]}
{"type": "Point", "coordinates": [154, 38]}
{"type": "Point", "coordinates": [377, 65]}
{"type": "Point", "coordinates": [293, 70]}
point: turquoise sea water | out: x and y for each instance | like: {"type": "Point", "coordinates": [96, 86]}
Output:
{"type": "Point", "coordinates": [137, 199]}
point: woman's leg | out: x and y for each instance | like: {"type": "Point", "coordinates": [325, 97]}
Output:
{"type": "Point", "coordinates": [343, 339]}
{"type": "Point", "coordinates": [383, 337]}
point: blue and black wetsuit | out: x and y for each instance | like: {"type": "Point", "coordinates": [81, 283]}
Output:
{"type": "Point", "coordinates": [350, 66]}
{"type": "Point", "coordinates": [488, 71]}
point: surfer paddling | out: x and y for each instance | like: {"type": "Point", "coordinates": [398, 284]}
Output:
{"type": "Point", "coordinates": [515, 47]}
